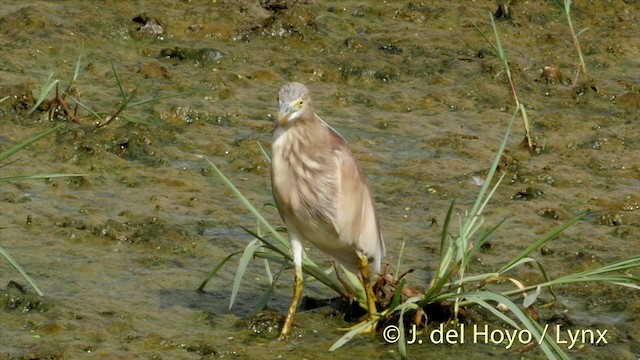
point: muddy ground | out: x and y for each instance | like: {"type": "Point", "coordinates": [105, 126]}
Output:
{"type": "Point", "coordinates": [415, 89]}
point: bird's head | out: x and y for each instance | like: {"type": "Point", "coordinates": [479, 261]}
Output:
{"type": "Point", "coordinates": [294, 103]}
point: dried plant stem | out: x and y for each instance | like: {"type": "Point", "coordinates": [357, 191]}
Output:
{"type": "Point", "coordinates": [582, 67]}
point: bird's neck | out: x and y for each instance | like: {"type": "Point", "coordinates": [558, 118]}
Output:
{"type": "Point", "coordinates": [308, 130]}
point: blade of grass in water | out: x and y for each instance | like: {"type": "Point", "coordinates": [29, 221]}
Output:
{"type": "Point", "coordinates": [20, 270]}
{"type": "Point", "coordinates": [38, 176]}
{"type": "Point", "coordinates": [247, 256]}
{"type": "Point", "coordinates": [5, 154]}
{"type": "Point", "coordinates": [265, 152]}
{"type": "Point", "coordinates": [279, 238]}
{"type": "Point", "coordinates": [262, 303]}
{"type": "Point", "coordinates": [44, 91]}
{"type": "Point", "coordinates": [215, 270]}
{"type": "Point", "coordinates": [538, 244]}
{"type": "Point", "coordinates": [480, 297]}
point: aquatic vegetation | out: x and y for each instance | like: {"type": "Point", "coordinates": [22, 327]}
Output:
{"type": "Point", "coordinates": [454, 285]}
{"type": "Point", "coordinates": [59, 108]}
{"type": "Point", "coordinates": [119, 253]}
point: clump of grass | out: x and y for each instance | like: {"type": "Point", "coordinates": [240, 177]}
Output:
{"type": "Point", "coordinates": [59, 102]}
{"type": "Point", "coordinates": [45, 89]}
{"type": "Point", "coordinates": [127, 103]}
{"type": "Point", "coordinates": [3, 156]}
{"type": "Point", "coordinates": [453, 283]}
{"type": "Point", "coordinates": [59, 106]}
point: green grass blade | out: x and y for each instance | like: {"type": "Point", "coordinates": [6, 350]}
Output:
{"type": "Point", "coordinates": [480, 297]}
{"type": "Point", "coordinates": [402, 342]}
{"type": "Point", "coordinates": [357, 286]}
{"type": "Point", "coordinates": [442, 274]}
{"type": "Point", "coordinates": [265, 152]}
{"type": "Point", "coordinates": [484, 238]}
{"type": "Point", "coordinates": [516, 263]}
{"type": "Point", "coordinates": [317, 273]}
{"type": "Point", "coordinates": [44, 91]}
{"type": "Point", "coordinates": [496, 312]}
{"type": "Point", "coordinates": [38, 176]}
{"type": "Point", "coordinates": [551, 342]}
{"type": "Point", "coordinates": [631, 285]}
{"type": "Point", "coordinates": [395, 301]}
{"type": "Point", "coordinates": [486, 38]}
{"type": "Point", "coordinates": [543, 240]}
{"type": "Point", "coordinates": [5, 154]}
{"type": "Point", "coordinates": [247, 255]}
{"type": "Point", "coordinates": [495, 187]}
{"type": "Point", "coordinates": [122, 92]}
{"type": "Point", "coordinates": [76, 73]}
{"type": "Point", "coordinates": [445, 228]}
{"type": "Point", "coordinates": [284, 257]}
{"type": "Point", "coordinates": [400, 254]}
{"type": "Point", "coordinates": [501, 53]}
{"type": "Point", "coordinates": [20, 270]}
{"type": "Point", "coordinates": [475, 210]}
{"type": "Point", "coordinates": [215, 270]}
{"type": "Point", "coordinates": [598, 274]}
{"type": "Point", "coordinates": [531, 297]}
{"type": "Point", "coordinates": [285, 254]}
{"type": "Point", "coordinates": [581, 31]}
{"type": "Point", "coordinates": [273, 257]}
{"type": "Point", "coordinates": [279, 238]}
{"type": "Point", "coordinates": [602, 272]}
{"type": "Point", "coordinates": [353, 332]}
{"type": "Point", "coordinates": [82, 105]}
{"type": "Point", "coordinates": [262, 303]}
{"type": "Point", "coordinates": [409, 304]}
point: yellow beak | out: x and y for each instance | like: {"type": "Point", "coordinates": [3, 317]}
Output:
{"type": "Point", "coordinates": [283, 115]}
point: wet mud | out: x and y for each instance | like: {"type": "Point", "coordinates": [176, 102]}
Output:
{"type": "Point", "coordinates": [415, 89]}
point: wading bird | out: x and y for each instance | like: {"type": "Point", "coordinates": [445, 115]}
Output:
{"type": "Point", "coordinates": [322, 194]}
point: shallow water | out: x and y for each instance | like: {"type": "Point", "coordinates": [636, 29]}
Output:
{"type": "Point", "coordinates": [414, 88]}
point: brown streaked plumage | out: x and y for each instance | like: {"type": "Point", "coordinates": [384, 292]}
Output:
{"type": "Point", "coordinates": [321, 192]}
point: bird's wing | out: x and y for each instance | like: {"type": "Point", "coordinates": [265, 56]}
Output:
{"type": "Point", "coordinates": [356, 221]}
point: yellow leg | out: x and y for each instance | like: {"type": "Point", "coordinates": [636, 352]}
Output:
{"type": "Point", "coordinates": [297, 293]}
{"type": "Point", "coordinates": [363, 266]}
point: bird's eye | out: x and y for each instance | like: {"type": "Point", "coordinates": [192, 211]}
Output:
{"type": "Point", "coordinates": [300, 103]}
